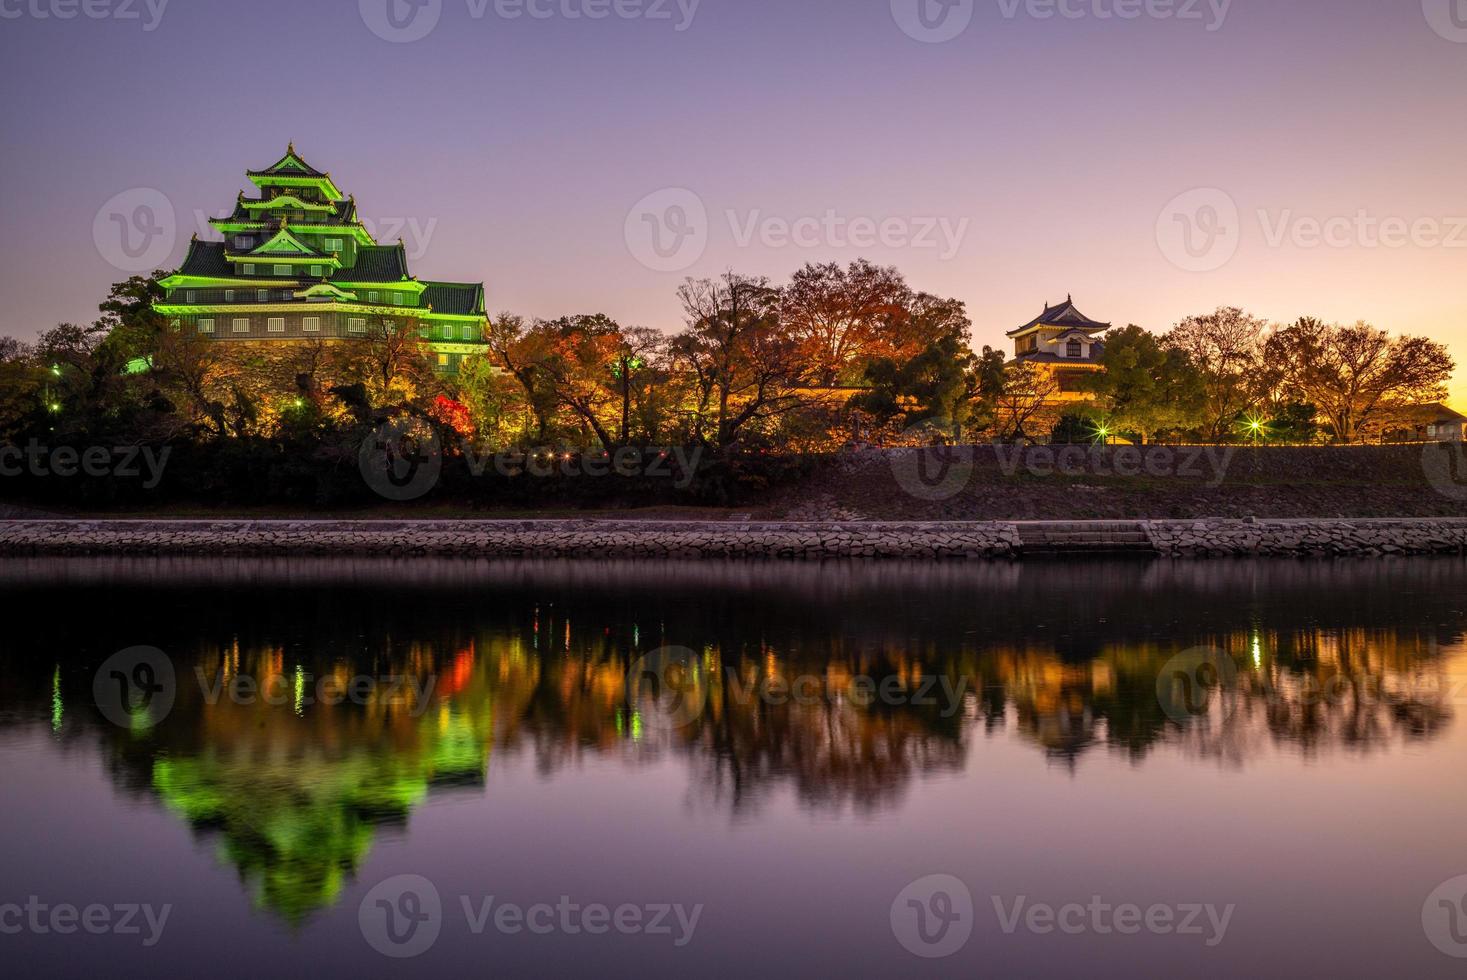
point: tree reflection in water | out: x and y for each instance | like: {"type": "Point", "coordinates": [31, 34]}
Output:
{"type": "Point", "coordinates": [531, 659]}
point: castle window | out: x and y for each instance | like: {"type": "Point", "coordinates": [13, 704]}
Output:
{"type": "Point", "coordinates": [311, 324]}
{"type": "Point", "coordinates": [206, 326]}
{"type": "Point", "coordinates": [242, 325]}
{"type": "Point", "coordinates": [244, 241]}
{"type": "Point", "coordinates": [190, 296]}
{"type": "Point", "coordinates": [249, 269]}
{"type": "Point", "coordinates": [262, 296]}
{"type": "Point", "coordinates": [1073, 349]}
{"type": "Point", "coordinates": [333, 244]}
{"type": "Point", "coordinates": [468, 331]}
{"type": "Point", "coordinates": [372, 296]}
{"type": "Point", "coordinates": [316, 271]}
{"type": "Point", "coordinates": [397, 299]}
{"type": "Point", "coordinates": [355, 325]}
{"type": "Point", "coordinates": [282, 270]}
{"type": "Point", "coordinates": [276, 324]}
{"type": "Point", "coordinates": [229, 296]}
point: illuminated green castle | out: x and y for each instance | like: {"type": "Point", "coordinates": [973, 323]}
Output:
{"type": "Point", "coordinates": [297, 264]}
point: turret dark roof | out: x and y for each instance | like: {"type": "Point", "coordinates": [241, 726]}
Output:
{"type": "Point", "coordinates": [1062, 315]}
{"type": "Point", "coordinates": [459, 298]}
{"type": "Point", "coordinates": [205, 259]}
{"type": "Point", "coordinates": [376, 263]}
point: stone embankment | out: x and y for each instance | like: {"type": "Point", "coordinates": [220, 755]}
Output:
{"type": "Point", "coordinates": [1416, 536]}
{"type": "Point", "coordinates": [670, 539]}
{"type": "Point", "coordinates": [517, 539]}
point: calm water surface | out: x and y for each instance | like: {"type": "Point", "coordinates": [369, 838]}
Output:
{"type": "Point", "coordinates": [1001, 724]}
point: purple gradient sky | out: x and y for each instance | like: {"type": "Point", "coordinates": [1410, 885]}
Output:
{"type": "Point", "coordinates": [1060, 142]}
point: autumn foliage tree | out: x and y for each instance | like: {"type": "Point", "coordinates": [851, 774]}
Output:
{"type": "Point", "coordinates": [1226, 348]}
{"type": "Point", "coordinates": [1355, 374]}
{"type": "Point", "coordinates": [746, 368]}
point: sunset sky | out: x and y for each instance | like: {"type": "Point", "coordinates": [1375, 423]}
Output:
{"type": "Point", "coordinates": [517, 150]}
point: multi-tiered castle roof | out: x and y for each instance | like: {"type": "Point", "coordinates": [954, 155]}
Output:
{"type": "Point", "coordinates": [298, 262]}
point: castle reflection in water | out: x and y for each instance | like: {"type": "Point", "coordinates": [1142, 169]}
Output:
{"type": "Point", "coordinates": [531, 660]}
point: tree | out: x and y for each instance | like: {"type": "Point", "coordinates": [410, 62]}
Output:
{"type": "Point", "coordinates": [1023, 391]}
{"type": "Point", "coordinates": [395, 359]}
{"type": "Point", "coordinates": [1145, 387]}
{"type": "Point", "coordinates": [839, 317]}
{"type": "Point", "coordinates": [1353, 374]}
{"type": "Point", "coordinates": [494, 399]}
{"type": "Point", "coordinates": [746, 367]}
{"type": "Point", "coordinates": [936, 386]}
{"type": "Point", "coordinates": [523, 353]}
{"type": "Point", "coordinates": [1226, 347]}
{"type": "Point", "coordinates": [582, 354]}
{"type": "Point", "coordinates": [987, 383]}
{"type": "Point", "coordinates": [128, 320]}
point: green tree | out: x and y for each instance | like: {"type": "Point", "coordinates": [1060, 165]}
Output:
{"type": "Point", "coordinates": [935, 387]}
{"type": "Point", "coordinates": [1145, 387]}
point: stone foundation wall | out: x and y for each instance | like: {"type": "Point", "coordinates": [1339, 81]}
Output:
{"type": "Point", "coordinates": [1419, 536]}
{"type": "Point", "coordinates": [533, 539]}
{"type": "Point", "coordinates": [658, 539]}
